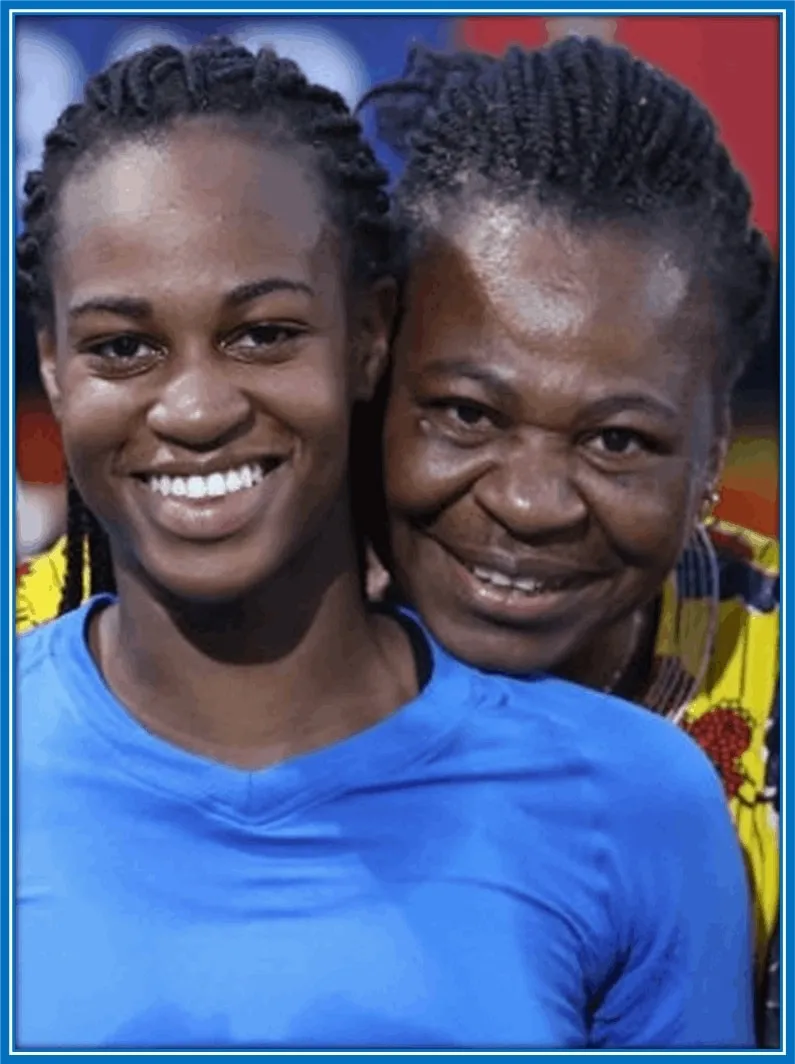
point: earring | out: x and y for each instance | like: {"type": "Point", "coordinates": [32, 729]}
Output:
{"type": "Point", "coordinates": [711, 500]}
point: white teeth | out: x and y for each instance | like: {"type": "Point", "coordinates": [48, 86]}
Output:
{"type": "Point", "coordinates": [214, 486]}
{"type": "Point", "coordinates": [197, 489]}
{"type": "Point", "coordinates": [482, 574]}
{"type": "Point", "coordinates": [502, 580]}
{"type": "Point", "coordinates": [492, 576]}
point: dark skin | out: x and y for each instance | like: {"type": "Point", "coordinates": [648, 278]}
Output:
{"type": "Point", "coordinates": [553, 420]}
{"type": "Point", "coordinates": [204, 322]}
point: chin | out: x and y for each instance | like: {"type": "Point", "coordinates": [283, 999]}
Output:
{"type": "Point", "coordinates": [493, 648]}
{"type": "Point", "coordinates": [215, 574]}
{"type": "Point", "coordinates": [194, 590]}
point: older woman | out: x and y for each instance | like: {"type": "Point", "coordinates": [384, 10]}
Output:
{"type": "Point", "coordinates": [584, 287]}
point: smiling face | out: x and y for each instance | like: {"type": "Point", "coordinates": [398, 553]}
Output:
{"type": "Point", "coordinates": [550, 434]}
{"type": "Point", "coordinates": [200, 360]}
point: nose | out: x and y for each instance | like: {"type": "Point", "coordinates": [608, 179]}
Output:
{"type": "Point", "coordinates": [530, 492]}
{"type": "Point", "coordinates": [200, 406]}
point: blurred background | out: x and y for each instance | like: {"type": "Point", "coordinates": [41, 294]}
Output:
{"type": "Point", "coordinates": [732, 63]}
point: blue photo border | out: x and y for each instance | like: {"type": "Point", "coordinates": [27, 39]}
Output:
{"type": "Point", "coordinates": [785, 10]}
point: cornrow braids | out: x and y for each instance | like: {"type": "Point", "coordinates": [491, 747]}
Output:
{"type": "Point", "coordinates": [587, 130]}
{"type": "Point", "coordinates": [146, 95]}
{"type": "Point", "coordinates": [84, 534]}
{"type": "Point", "coordinates": [72, 591]}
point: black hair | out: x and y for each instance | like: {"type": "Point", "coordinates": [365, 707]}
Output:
{"type": "Point", "coordinates": [146, 95]}
{"type": "Point", "coordinates": [587, 130]}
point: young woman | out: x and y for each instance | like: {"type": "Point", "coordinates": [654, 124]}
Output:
{"type": "Point", "coordinates": [584, 289]}
{"type": "Point", "coordinates": [248, 813]}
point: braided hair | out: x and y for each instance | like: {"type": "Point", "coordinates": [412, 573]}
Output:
{"type": "Point", "coordinates": [586, 130]}
{"type": "Point", "coordinates": [146, 95]}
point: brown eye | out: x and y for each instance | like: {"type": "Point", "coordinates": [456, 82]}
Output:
{"type": "Point", "coordinates": [124, 348]}
{"type": "Point", "coordinates": [470, 414]}
{"type": "Point", "coordinates": [263, 338]}
{"type": "Point", "coordinates": [463, 413]}
{"type": "Point", "coordinates": [619, 442]}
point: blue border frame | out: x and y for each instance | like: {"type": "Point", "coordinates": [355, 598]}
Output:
{"type": "Point", "coordinates": [787, 241]}
{"type": "Point", "coordinates": [7, 530]}
{"type": "Point", "coordinates": [786, 11]}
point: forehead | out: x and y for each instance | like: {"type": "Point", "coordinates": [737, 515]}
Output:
{"type": "Point", "coordinates": [502, 281]}
{"type": "Point", "coordinates": [198, 200]}
{"type": "Point", "coordinates": [532, 266]}
{"type": "Point", "coordinates": [536, 272]}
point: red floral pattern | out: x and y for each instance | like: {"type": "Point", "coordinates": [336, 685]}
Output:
{"type": "Point", "coordinates": [724, 735]}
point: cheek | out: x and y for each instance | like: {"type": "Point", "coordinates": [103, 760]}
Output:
{"type": "Point", "coordinates": [648, 518]}
{"type": "Point", "coordinates": [96, 416]}
{"type": "Point", "coordinates": [312, 397]}
{"type": "Point", "coordinates": [422, 473]}
{"type": "Point", "coordinates": [309, 404]}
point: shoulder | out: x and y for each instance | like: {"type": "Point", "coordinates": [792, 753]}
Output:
{"type": "Point", "coordinates": [743, 544]}
{"type": "Point", "coordinates": [39, 585]}
{"type": "Point", "coordinates": [735, 710]}
{"type": "Point", "coordinates": [619, 737]}
{"type": "Point", "coordinates": [53, 674]}
{"type": "Point", "coordinates": [632, 792]}
{"type": "Point", "coordinates": [749, 566]}
{"type": "Point", "coordinates": [609, 751]}
{"type": "Point", "coordinates": [53, 649]}
{"type": "Point", "coordinates": [38, 647]}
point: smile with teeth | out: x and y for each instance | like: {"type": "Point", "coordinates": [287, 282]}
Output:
{"type": "Point", "coordinates": [213, 486]}
{"type": "Point", "coordinates": [525, 585]}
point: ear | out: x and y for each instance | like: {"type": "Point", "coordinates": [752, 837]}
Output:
{"type": "Point", "coordinates": [374, 318]}
{"type": "Point", "coordinates": [47, 348]}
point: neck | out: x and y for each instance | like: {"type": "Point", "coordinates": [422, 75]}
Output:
{"type": "Point", "coordinates": [620, 659]}
{"type": "Point", "coordinates": [297, 665]}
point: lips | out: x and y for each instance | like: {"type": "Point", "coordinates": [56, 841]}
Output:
{"type": "Point", "coordinates": [526, 585]}
{"type": "Point", "coordinates": [512, 572]}
{"type": "Point", "coordinates": [210, 504]}
{"type": "Point", "coordinates": [514, 590]}
{"type": "Point", "coordinates": [212, 485]}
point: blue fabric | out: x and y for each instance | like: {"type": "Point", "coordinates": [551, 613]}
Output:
{"type": "Point", "coordinates": [499, 863]}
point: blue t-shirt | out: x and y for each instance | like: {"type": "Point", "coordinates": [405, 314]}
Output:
{"type": "Point", "coordinates": [500, 863]}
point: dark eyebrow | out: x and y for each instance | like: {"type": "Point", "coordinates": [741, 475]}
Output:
{"type": "Point", "coordinates": [452, 367]}
{"type": "Point", "coordinates": [138, 309]}
{"type": "Point", "coordinates": [251, 290]}
{"type": "Point", "coordinates": [123, 306]}
{"type": "Point", "coordinates": [601, 408]}
{"type": "Point", "coordinates": [617, 404]}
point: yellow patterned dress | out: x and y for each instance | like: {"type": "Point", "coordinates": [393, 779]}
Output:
{"type": "Point", "coordinates": [733, 715]}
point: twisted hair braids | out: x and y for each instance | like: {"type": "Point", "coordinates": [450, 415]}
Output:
{"type": "Point", "coordinates": [72, 591]}
{"type": "Point", "coordinates": [585, 129]}
{"type": "Point", "coordinates": [145, 96]}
